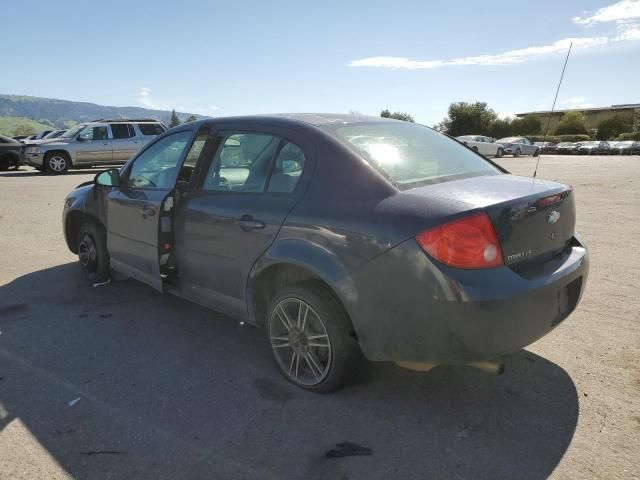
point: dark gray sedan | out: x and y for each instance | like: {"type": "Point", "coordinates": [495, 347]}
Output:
{"type": "Point", "coordinates": [342, 236]}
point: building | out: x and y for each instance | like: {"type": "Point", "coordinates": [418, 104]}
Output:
{"type": "Point", "coordinates": [592, 116]}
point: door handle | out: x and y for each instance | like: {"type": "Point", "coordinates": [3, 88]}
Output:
{"type": "Point", "coordinates": [246, 223]}
{"type": "Point", "coordinates": [147, 211]}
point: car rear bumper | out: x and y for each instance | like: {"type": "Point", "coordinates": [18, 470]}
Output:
{"type": "Point", "coordinates": [423, 312]}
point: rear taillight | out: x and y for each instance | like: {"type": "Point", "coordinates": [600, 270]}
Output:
{"type": "Point", "coordinates": [470, 242]}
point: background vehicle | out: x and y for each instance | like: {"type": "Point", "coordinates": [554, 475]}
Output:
{"type": "Point", "coordinates": [626, 147]}
{"type": "Point", "coordinates": [262, 228]}
{"type": "Point", "coordinates": [517, 146]}
{"type": "Point", "coordinates": [546, 147]}
{"type": "Point", "coordinates": [484, 145]}
{"type": "Point", "coordinates": [103, 142]}
{"type": "Point", "coordinates": [36, 137]}
{"type": "Point", "coordinates": [567, 148]}
{"type": "Point", "coordinates": [54, 134]}
{"type": "Point", "coordinates": [9, 153]}
{"type": "Point", "coordinates": [594, 148]}
{"type": "Point", "coordinates": [19, 137]}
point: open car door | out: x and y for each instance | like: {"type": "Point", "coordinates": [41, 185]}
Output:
{"type": "Point", "coordinates": [142, 207]}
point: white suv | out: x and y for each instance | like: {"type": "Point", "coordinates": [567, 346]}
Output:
{"type": "Point", "coordinates": [103, 142]}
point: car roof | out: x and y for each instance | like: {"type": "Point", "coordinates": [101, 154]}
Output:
{"type": "Point", "coordinates": [297, 119]}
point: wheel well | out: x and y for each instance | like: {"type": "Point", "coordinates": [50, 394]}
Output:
{"type": "Point", "coordinates": [63, 152]}
{"type": "Point", "coordinates": [276, 277]}
{"type": "Point", "coordinates": [75, 220]}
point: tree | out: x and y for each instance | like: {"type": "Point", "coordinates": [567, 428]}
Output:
{"type": "Point", "coordinates": [529, 125]}
{"type": "Point", "coordinates": [614, 126]}
{"type": "Point", "coordinates": [174, 121]}
{"type": "Point", "coordinates": [191, 118]}
{"type": "Point", "coordinates": [501, 127]}
{"type": "Point", "coordinates": [468, 118]}
{"type": "Point", "coordinates": [572, 123]}
{"type": "Point", "coordinates": [397, 115]}
{"type": "Point", "coordinates": [24, 130]}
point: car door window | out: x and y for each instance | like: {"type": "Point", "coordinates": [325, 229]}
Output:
{"type": "Point", "coordinates": [241, 163]}
{"type": "Point", "coordinates": [95, 133]}
{"type": "Point", "coordinates": [122, 130]}
{"type": "Point", "coordinates": [287, 169]}
{"type": "Point", "coordinates": [190, 161]}
{"type": "Point", "coordinates": [157, 166]}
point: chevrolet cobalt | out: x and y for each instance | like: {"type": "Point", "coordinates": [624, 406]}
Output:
{"type": "Point", "coordinates": [341, 236]}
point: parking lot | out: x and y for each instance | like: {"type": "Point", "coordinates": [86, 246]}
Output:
{"type": "Point", "coordinates": [120, 381]}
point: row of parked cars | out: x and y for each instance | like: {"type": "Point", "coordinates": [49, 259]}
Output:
{"type": "Point", "coordinates": [626, 147]}
{"type": "Point", "coordinates": [97, 143]}
{"type": "Point", "coordinates": [518, 146]}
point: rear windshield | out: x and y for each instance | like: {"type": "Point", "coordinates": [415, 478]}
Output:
{"type": "Point", "coordinates": [408, 154]}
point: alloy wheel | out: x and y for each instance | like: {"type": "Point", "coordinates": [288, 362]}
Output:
{"type": "Point", "coordinates": [88, 253]}
{"type": "Point", "coordinates": [300, 342]}
{"type": "Point", "coordinates": [58, 163]}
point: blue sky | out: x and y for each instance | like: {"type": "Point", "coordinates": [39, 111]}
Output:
{"type": "Point", "coordinates": [230, 58]}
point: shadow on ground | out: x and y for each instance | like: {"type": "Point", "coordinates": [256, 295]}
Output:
{"type": "Point", "coordinates": [176, 391]}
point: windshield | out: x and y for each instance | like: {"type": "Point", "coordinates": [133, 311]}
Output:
{"type": "Point", "coordinates": [509, 139]}
{"type": "Point", "coordinates": [72, 132]}
{"type": "Point", "coordinates": [408, 154]}
{"type": "Point", "coordinates": [625, 142]}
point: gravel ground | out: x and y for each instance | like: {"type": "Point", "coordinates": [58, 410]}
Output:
{"type": "Point", "coordinates": [168, 389]}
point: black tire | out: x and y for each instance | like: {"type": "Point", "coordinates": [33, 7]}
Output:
{"type": "Point", "coordinates": [500, 152]}
{"type": "Point", "coordinates": [517, 153]}
{"type": "Point", "coordinates": [9, 162]}
{"type": "Point", "coordinates": [339, 360]}
{"type": "Point", "coordinates": [475, 149]}
{"type": "Point", "coordinates": [536, 153]}
{"type": "Point", "coordinates": [92, 252]}
{"type": "Point", "coordinates": [57, 163]}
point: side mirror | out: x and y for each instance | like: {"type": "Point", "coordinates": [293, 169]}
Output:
{"type": "Point", "coordinates": [108, 178]}
{"type": "Point", "coordinates": [83, 137]}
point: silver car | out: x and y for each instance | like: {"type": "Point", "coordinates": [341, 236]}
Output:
{"type": "Point", "coordinates": [103, 142]}
{"type": "Point", "coordinates": [517, 146]}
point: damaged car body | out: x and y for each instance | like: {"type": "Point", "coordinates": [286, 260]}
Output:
{"type": "Point", "coordinates": [342, 236]}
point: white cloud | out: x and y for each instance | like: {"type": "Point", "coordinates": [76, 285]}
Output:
{"type": "Point", "coordinates": [577, 102]}
{"type": "Point", "coordinates": [621, 12]}
{"type": "Point", "coordinates": [144, 97]}
{"type": "Point", "coordinates": [213, 107]}
{"type": "Point", "coordinates": [510, 57]}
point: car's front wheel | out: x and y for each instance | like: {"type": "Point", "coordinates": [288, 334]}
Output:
{"type": "Point", "coordinates": [310, 337]}
{"type": "Point", "coordinates": [57, 163]}
{"type": "Point", "coordinates": [517, 153]}
{"type": "Point", "coordinates": [92, 252]}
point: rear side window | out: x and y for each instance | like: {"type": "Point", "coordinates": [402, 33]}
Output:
{"type": "Point", "coordinates": [151, 128]}
{"type": "Point", "coordinates": [287, 169]}
{"type": "Point", "coordinates": [122, 130]}
{"type": "Point", "coordinates": [408, 154]}
{"type": "Point", "coordinates": [241, 163]}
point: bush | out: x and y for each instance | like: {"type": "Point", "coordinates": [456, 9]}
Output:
{"type": "Point", "coordinates": [572, 123]}
{"type": "Point", "coordinates": [614, 126]}
{"type": "Point", "coordinates": [628, 136]}
{"type": "Point", "coordinates": [560, 138]}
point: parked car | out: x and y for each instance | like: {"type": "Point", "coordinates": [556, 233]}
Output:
{"type": "Point", "coordinates": [19, 137]}
{"type": "Point", "coordinates": [546, 147]}
{"type": "Point", "coordinates": [484, 145]}
{"type": "Point", "coordinates": [54, 134]}
{"type": "Point", "coordinates": [517, 146]}
{"type": "Point", "coordinates": [340, 236]}
{"type": "Point", "coordinates": [594, 148]}
{"type": "Point", "coordinates": [9, 153]}
{"type": "Point", "coordinates": [567, 148]}
{"type": "Point", "coordinates": [626, 147]}
{"type": "Point", "coordinates": [103, 142]}
{"type": "Point", "coordinates": [37, 137]}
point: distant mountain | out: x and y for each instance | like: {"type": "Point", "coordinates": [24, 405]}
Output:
{"type": "Point", "coordinates": [60, 113]}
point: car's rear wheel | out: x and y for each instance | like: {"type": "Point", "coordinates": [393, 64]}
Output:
{"type": "Point", "coordinates": [309, 336]}
{"type": "Point", "coordinates": [500, 152]}
{"type": "Point", "coordinates": [57, 163]}
{"type": "Point", "coordinates": [536, 153]}
{"type": "Point", "coordinates": [92, 252]}
{"type": "Point", "coordinates": [517, 153]}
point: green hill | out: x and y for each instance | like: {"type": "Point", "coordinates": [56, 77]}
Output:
{"type": "Point", "coordinates": [51, 112]}
{"type": "Point", "coordinates": [24, 126]}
